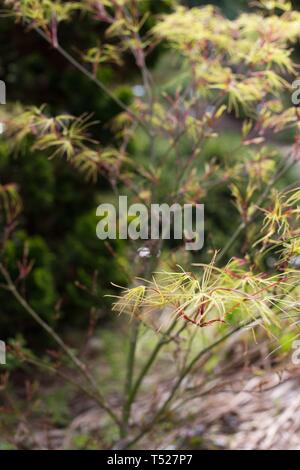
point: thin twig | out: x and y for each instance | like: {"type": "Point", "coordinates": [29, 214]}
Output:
{"type": "Point", "coordinates": [91, 77]}
{"type": "Point", "coordinates": [47, 328]}
{"type": "Point", "coordinates": [260, 201]}
{"type": "Point", "coordinates": [129, 378]}
{"type": "Point", "coordinates": [180, 379]}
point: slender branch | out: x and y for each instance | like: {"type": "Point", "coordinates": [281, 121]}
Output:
{"type": "Point", "coordinates": [180, 379]}
{"type": "Point", "coordinates": [57, 339]}
{"type": "Point", "coordinates": [129, 378]}
{"type": "Point", "coordinates": [260, 201]}
{"type": "Point", "coordinates": [90, 76]}
{"type": "Point", "coordinates": [150, 362]}
{"type": "Point", "coordinates": [66, 378]}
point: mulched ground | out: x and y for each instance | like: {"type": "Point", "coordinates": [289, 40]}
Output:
{"type": "Point", "coordinates": [244, 412]}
